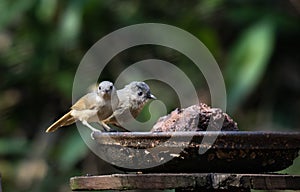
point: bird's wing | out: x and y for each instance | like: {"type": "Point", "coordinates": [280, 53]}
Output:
{"type": "Point", "coordinates": [88, 101]}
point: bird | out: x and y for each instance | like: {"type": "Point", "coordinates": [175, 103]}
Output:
{"type": "Point", "coordinates": [92, 107]}
{"type": "Point", "coordinates": [132, 99]}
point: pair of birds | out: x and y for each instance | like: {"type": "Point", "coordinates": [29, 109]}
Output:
{"type": "Point", "coordinates": [107, 106]}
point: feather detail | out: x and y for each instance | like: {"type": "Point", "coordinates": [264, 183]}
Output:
{"type": "Point", "coordinates": [65, 120]}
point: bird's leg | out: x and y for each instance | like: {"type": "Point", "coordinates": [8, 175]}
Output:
{"type": "Point", "coordinates": [92, 128]}
{"type": "Point", "coordinates": [105, 126]}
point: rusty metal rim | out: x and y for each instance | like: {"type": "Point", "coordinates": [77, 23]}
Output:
{"type": "Point", "coordinates": [229, 140]}
{"type": "Point", "coordinates": [273, 134]}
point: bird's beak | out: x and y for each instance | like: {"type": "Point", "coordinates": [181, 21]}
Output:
{"type": "Point", "coordinates": [151, 97]}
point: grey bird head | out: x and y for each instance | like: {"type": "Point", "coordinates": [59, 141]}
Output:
{"type": "Point", "coordinates": [132, 99]}
{"type": "Point", "coordinates": [140, 92]}
{"type": "Point", "coordinates": [106, 89]}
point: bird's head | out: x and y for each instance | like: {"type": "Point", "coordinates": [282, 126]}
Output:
{"type": "Point", "coordinates": [140, 92]}
{"type": "Point", "coordinates": [106, 89]}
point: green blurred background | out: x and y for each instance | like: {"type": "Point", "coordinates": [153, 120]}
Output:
{"type": "Point", "coordinates": [256, 44]}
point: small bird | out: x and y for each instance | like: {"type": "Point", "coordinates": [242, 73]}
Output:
{"type": "Point", "coordinates": [92, 107]}
{"type": "Point", "coordinates": [132, 99]}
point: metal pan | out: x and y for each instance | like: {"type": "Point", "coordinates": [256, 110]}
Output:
{"type": "Point", "coordinates": [178, 152]}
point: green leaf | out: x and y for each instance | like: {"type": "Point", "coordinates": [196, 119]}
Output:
{"type": "Point", "coordinates": [12, 10]}
{"type": "Point", "coordinates": [46, 9]}
{"type": "Point", "coordinates": [13, 146]}
{"type": "Point", "coordinates": [70, 23]}
{"type": "Point", "coordinates": [248, 60]}
{"type": "Point", "coordinates": [72, 150]}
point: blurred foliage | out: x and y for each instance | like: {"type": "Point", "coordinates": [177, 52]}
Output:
{"type": "Point", "coordinates": [256, 44]}
{"type": "Point", "coordinates": [247, 61]}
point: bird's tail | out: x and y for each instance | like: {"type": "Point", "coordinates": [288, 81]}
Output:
{"type": "Point", "coordinates": [65, 120]}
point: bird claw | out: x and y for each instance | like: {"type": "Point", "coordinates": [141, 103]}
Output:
{"type": "Point", "coordinates": [106, 128]}
{"type": "Point", "coordinates": [92, 135]}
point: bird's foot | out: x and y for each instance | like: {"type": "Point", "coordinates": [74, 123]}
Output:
{"type": "Point", "coordinates": [92, 135]}
{"type": "Point", "coordinates": [105, 127]}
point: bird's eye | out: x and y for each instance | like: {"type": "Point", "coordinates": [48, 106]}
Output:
{"type": "Point", "coordinates": [140, 93]}
{"type": "Point", "coordinates": [99, 88]}
{"type": "Point", "coordinates": [111, 87]}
